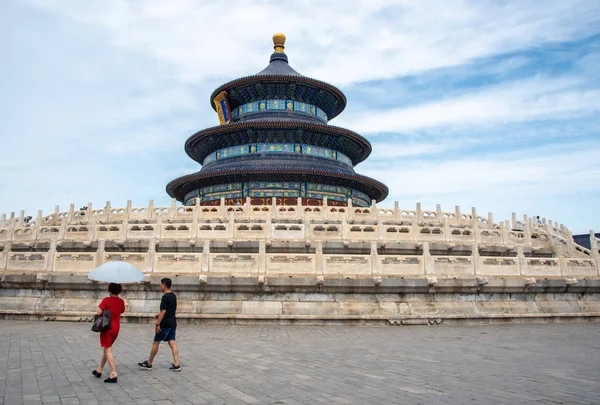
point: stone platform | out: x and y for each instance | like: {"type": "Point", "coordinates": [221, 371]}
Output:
{"type": "Point", "coordinates": [304, 265]}
{"type": "Point", "coordinates": [50, 363]}
{"type": "Point", "coordinates": [336, 301]}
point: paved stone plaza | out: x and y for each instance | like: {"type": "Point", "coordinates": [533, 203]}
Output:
{"type": "Point", "coordinates": [51, 363]}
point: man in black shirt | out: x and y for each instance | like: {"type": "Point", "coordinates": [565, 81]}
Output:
{"type": "Point", "coordinates": [166, 325]}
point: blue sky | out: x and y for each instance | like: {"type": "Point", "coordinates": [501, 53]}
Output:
{"type": "Point", "coordinates": [486, 104]}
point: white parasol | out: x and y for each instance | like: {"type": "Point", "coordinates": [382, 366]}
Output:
{"type": "Point", "coordinates": [116, 272]}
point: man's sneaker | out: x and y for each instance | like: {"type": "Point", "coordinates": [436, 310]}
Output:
{"type": "Point", "coordinates": [175, 368]}
{"type": "Point", "coordinates": [145, 365]}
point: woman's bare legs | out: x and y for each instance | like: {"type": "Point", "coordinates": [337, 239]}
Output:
{"type": "Point", "coordinates": [102, 362]}
{"type": "Point", "coordinates": [111, 361]}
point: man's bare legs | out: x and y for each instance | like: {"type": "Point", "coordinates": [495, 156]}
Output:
{"type": "Point", "coordinates": [153, 352]}
{"type": "Point", "coordinates": [175, 351]}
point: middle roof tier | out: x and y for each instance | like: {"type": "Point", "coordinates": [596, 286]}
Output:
{"type": "Point", "coordinates": [203, 143]}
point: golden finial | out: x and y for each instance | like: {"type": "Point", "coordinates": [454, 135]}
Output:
{"type": "Point", "coordinates": [278, 42]}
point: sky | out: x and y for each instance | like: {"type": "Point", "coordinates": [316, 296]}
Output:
{"type": "Point", "coordinates": [475, 103]}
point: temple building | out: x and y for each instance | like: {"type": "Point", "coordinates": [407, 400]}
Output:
{"type": "Point", "coordinates": [274, 141]}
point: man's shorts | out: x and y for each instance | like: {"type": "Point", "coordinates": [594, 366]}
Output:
{"type": "Point", "coordinates": [165, 334]}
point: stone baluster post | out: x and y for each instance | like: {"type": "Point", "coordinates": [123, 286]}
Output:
{"type": "Point", "coordinates": [158, 227]}
{"type": "Point", "coordinates": [274, 211]}
{"type": "Point", "coordinates": [173, 208]}
{"type": "Point", "coordinates": [350, 213]}
{"type": "Point", "coordinates": [594, 251]}
{"type": "Point", "coordinates": [419, 217]}
{"type": "Point", "coordinates": [71, 213]}
{"type": "Point", "coordinates": [222, 209]}
{"type": "Point", "coordinates": [490, 220]}
{"type": "Point", "coordinates": [195, 218]}
{"type": "Point", "coordinates": [88, 211]}
{"type": "Point", "coordinates": [446, 230]}
{"type": "Point", "coordinates": [205, 256]}
{"type": "Point", "coordinates": [523, 269]}
{"type": "Point", "coordinates": [458, 215]}
{"type": "Point", "coordinates": [528, 228]}
{"type": "Point", "coordinates": [397, 215]}
{"type": "Point", "coordinates": [550, 234]}
{"type": "Point", "coordinates": [62, 230]}
{"type": "Point", "coordinates": [20, 220]}
{"type": "Point", "coordinates": [299, 210]}
{"type": "Point", "coordinates": [427, 260]}
{"type": "Point", "coordinates": [123, 230]}
{"type": "Point", "coordinates": [248, 208]}
{"type": "Point", "coordinates": [380, 231]}
{"type": "Point", "coordinates": [374, 259]}
{"type": "Point", "coordinates": [374, 210]}
{"type": "Point", "coordinates": [415, 233]}
{"type": "Point", "coordinates": [38, 224]}
{"type": "Point", "coordinates": [91, 223]}
{"type": "Point", "coordinates": [475, 258]}
{"type": "Point", "coordinates": [262, 257]}
{"type": "Point", "coordinates": [107, 209]}
{"type": "Point", "coordinates": [570, 242]}
{"type": "Point", "coordinates": [504, 233]}
{"type": "Point", "coordinates": [560, 255]}
{"type": "Point", "coordinates": [319, 261]}
{"type": "Point", "coordinates": [269, 227]}
{"type": "Point", "coordinates": [11, 227]}
{"type": "Point", "coordinates": [151, 213]}
{"type": "Point", "coordinates": [128, 211]}
{"type": "Point", "coordinates": [475, 225]}
{"type": "Point", "coordinates": [150, 258]}
{"type": "Point", "coordinates": [514, 224]}
{"type": "Point", "coordinates": [307, 232]}
{"type": "Point", "coordinates": [231, 231]}
{"type": "Point", "coordinates": [100, 252]}
{"type": "Point", "coordinates": [4, 256]}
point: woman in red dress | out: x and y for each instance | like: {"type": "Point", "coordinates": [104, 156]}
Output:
{"type": "Point", "coordinates": [117, 306]}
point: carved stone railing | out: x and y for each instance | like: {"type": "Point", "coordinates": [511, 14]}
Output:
{"type": "Point", "coordinates": [76, 241]}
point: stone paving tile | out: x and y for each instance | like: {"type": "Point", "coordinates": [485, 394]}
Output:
{"type": "Point", "coordinates": [51, 363]}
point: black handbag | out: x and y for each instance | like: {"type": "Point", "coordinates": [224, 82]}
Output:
{"type": "Point", "coordinates": [102, 322]}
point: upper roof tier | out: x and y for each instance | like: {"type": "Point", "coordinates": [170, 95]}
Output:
{"type": "Point", "coordinates": [277, 89]}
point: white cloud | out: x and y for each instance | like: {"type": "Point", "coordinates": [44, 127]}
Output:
{"type": "Point", "coordinates": [340, 41]}
{"type": "Point", "coordinates": [538, 98]}
{"type": "Point", "coordinates": [501, 182]}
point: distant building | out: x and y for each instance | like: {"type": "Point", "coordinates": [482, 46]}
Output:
{"type": "Point", "coordinates": [584, 239]}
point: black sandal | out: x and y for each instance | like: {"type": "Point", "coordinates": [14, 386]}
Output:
{"type": "Point", "coordinates": [111, 380]}
{"type": "Point", "coordinates": [97, 374]}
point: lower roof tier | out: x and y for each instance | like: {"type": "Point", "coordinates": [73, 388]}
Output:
{"type": "Point", "coordinates": [181, 188]}
{"type": "Point", "coordinates": [286, 193]}
{"type": "Point", "coordinates": [205, 142]}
